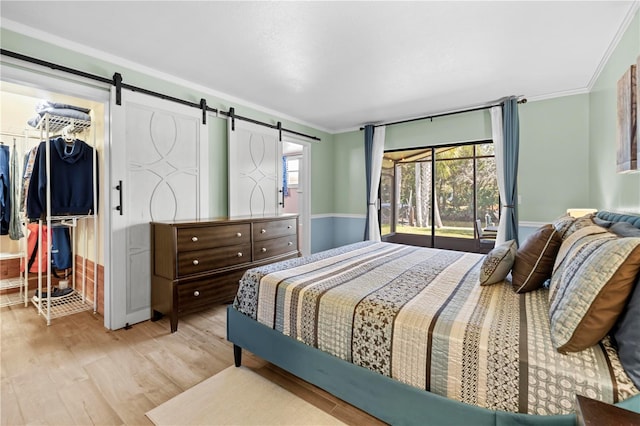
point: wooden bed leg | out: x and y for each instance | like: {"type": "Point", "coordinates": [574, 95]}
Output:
{"type": "Point", "coordinates": [237, 355]}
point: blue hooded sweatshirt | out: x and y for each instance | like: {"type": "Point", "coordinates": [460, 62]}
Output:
{"type": "Point", "coordinates": [71, 166]}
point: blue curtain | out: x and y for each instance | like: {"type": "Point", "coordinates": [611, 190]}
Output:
{"type": "Point", "coordinates": [368, 155]}
{"type": "Point", "coordinates": [285, 181]}
{"type": "Point", "coordinates": [511, 128]}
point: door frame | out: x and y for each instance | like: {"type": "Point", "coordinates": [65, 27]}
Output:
{"type": "Point", "coordinates": [305, 185]}
{"type": "Point", "coordinates": [46, 79]}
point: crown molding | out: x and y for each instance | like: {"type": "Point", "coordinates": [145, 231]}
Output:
{"type": "Point", "coordinates": [631, 13]}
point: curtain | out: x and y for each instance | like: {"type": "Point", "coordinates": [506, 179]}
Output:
{"type": "Point", "coordinates": [505, 129]}
{"type": "Point", "coordinates": [373, 152]}
{"type": "Point", "coordinates": [498, 148]}
{"type": "Point", "coordinates": [285, 185]}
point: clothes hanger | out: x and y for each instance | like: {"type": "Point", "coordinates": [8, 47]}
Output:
{"type": "Point", "coordinates": [67, 134]}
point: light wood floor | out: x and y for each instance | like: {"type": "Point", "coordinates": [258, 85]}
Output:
{"type": "Point", "coordinates": [77, 372]}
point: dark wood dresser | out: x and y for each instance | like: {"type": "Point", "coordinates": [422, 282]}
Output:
{"type": "Point", "coordinates": [197, 264]}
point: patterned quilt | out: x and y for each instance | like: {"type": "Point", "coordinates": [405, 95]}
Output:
{"type": "Point", "coordinates": [419, 316]}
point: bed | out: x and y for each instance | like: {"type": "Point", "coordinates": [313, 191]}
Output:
{"type": "Point", "coordinates": [408, 335]}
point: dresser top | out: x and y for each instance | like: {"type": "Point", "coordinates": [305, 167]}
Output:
{"type": "Point", "coordinates": [226, 219]}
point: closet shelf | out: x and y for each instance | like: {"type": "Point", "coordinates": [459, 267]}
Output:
{"type": "Point", "coordinates": [7, 256]}
{"type": "Point", "coordinates": [10, 299]}
{"type": "Point", "coordinates": [57, 123]}
{"type": "Point", "coordinates": [62, 306]}
{"type": "Point", "coordinates": [15, 298]}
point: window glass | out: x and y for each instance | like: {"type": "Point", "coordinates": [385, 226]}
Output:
{"type": "Point", "coordinates": [293, 171]}
{"type": "Point", "coordinates": [460, 189]}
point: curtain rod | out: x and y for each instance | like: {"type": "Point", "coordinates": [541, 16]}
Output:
{"type": "Point", "coordinates": [118, 82]}
{"type": "Point", "coordinates": [444, 114]}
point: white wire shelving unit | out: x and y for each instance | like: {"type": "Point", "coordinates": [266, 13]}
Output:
{"type": "Point", "coordinates": [76, 301]}
{"type": "Point", "coordinates": [20, 282]}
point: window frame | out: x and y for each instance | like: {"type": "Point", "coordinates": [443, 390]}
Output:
{"type": "Point", "coordinates": [446, 242]}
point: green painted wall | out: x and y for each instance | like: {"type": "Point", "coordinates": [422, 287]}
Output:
{"type": "Point", "coordinates": [348, 159]}
{"type": "Point", "coordinates": [321, 152]}
{"type": "Point", "coordinates": [553, 171]}
{"type": "Point", "coordinates": [608, 189]}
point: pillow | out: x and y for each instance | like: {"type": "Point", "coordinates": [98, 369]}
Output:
{"type": "Point", "coordinates": [601, 222]}
{"type": "Point", "coordinates": [535, 259]}
{"type": "Point", "coordinates": [592, 279]}
{"type": "Point", "coordinates": [624, 229]}
{"type": "Point", "coordinates": [563, 223]}
{"type": "Point", "coordinates": [626, 333]}
{"type": "Point", "coordinates": [498, 263]}
{"type": "Point", "coordinates": [579, 223]}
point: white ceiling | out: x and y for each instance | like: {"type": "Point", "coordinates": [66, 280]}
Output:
{"type": "Point", "coordinates": [338, 65]}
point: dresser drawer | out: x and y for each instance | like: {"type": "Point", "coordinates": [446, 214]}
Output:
{"type": "Point", "coordinates": [203, 237]}
{"type": "Point", "coordinates": [277, 228]}
{"type": "Point", "coordinates": [193, 262]}
{"type": "Point", "coordinates": [204, 293]}
{"type": "Point", "coordinates": [275, 247]}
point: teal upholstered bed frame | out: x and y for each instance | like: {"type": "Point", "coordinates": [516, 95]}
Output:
{"type": "Point", "coordinates": [389, 400]}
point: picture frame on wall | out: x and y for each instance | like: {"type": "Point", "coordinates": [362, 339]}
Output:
{"type": "Point", "coordinates": [627, 123]}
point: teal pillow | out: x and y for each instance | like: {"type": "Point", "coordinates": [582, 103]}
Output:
{"type": "Point", "coordinates": [624, 229]}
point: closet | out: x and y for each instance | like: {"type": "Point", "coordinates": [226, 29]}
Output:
{"type": "Point", "coordinates": [13, 283]}
{"type": "Point", "coordinates": [64, 148]}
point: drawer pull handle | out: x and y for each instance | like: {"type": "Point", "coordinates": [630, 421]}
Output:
{"type": "Point", "coordinates": [195, 261]}
{"type": "Point", "coordinates": [262, 231]}
{"type": "Point", "coordinates": [239, 234]}
{"type": "Point", "coordinates": [239, 254]}
{"type": "Point", "coordinates": [263, 249]}
{"type": "Point", "coordinates": [290, 243]}
{"type": "Point", "coordinates": [196, 293]}
{"type": "Point", "coordinates": [289, 227]}
{"type": "Point", "coordinates": [194, 239]}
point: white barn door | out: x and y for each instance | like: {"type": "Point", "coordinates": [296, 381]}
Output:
{"type": "Point", "coordinates": [255, 169]}
{"type": "Point", "coordinates": [159, 171]}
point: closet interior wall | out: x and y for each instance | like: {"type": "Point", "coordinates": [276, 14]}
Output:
{"type": "Point", "coordinates": [17, 104]}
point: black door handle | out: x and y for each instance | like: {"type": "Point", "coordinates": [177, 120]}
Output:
{"type": "Point", "coordinates": [119, 188]}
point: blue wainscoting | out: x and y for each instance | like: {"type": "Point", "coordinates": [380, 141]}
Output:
{"type": "Point", "coordinates": [321, 233]}
{"type": "Point", "coordinates": [348, 229]}
{"type": "Point", "coordinates": [330, 231]}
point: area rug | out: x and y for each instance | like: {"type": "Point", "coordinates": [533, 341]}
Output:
{"type": "Point", "coordinates": [238, 396]}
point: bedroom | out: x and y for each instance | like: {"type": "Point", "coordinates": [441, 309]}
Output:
{"type": "Point", "coordinates": [576, 128]}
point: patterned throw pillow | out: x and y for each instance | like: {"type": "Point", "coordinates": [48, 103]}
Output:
{"type": "Point", "coordinates": [579, 223]}
{"type": "Point", "coordinates": [592, 279]}
{"type": "Point", "coordinates": [535, 259]}
{"type": "Point", "coordinates": [563, 223]}
{"type": "Point", "coordinates": [498, 263]}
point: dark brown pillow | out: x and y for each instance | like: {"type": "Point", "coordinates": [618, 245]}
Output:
{"type": "Point", "coordinates": [535, 259]}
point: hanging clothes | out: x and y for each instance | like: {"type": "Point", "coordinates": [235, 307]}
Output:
{"type": "Point", "coordinates": [15, 227]}
{"type": "Point", "coordinates": [71, 168]}
{"type": "Point", "coordinates": [29, 161]}
{"type": "Point", "coordinates": [5, 190]}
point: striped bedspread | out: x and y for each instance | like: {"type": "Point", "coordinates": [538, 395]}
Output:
{"type": "Point", "coordinates": [419, 316]}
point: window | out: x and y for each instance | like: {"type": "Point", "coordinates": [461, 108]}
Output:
{"type": "Point", "coordinates": [432, 196]}
{"type": "Point", "coordinates": [293, 171]}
